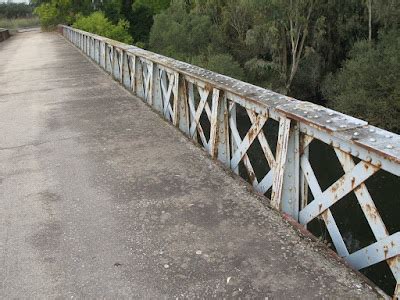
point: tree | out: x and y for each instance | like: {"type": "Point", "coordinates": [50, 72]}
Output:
{"type": "Point", "coordinates": [97, 23]}
{"type": "Point", "coordinates": [15, 10]}
{"type": "Point", "coordinates": [141, 22]}
{"type": "Point", "coordinates": [369, 6]}
{"type": "Point", "coordinates": [112, 10]}
{"type": "Point", "coordinates": [184, 33]}
{"type": "Point", "coordinates": [179, 33]}
{"type": "Point", "coordinates": [220, 63]}
{"type": "Point", "coordinates": [281, 30]}
{"type": "Point", "coordinates": [298, 17]}
{"type": "Point", "coordinates": [388, 14]}
{"type": "Point", "coordinates": [156, 6]}
{"type": "Point", "coordinates": [368, 85]}
{"type": "Point", "coordinates": [55, 12]}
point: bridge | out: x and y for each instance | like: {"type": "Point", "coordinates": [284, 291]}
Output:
{"type": "Point", "coordinates": [131, 187]}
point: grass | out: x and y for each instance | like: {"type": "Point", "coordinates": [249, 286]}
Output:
{"type": "Point", "coordinates": [19, 23]}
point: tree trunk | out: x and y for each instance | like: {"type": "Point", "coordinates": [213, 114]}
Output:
{"type": "Point", "coordinates": [369, 4]}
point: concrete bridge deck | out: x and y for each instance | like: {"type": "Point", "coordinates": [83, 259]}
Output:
{"type": "Point", "coordinates": [100, 197]}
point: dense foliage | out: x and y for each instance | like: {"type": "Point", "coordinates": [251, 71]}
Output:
{"type": "Point", "coordinates": [50, 15]}
{"type": "Point", "coordinates": [340, 53]}
{"type": "Point", "coordinates": [17, 16]}
{"type": "Point", "coordinates": [368, 85]}
{"type": "Point", "coordinates": [12, 10]}
{"type": "Point", "coordinates": [99, 24]}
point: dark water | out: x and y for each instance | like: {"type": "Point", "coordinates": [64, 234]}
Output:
{"type": "Point", "coordinates": [347, 212]}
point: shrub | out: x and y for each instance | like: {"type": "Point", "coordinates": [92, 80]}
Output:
{"type": "Point", "coordinates": [48, 15]}
{"type": "Point", "coordinates": [97, 23]}
{"type": "Point", "coordinates": [55, 12]}
{"type": "Point", "coordinates": [368, 85]}
{"type": "Point", "coordinates": [220, 63]}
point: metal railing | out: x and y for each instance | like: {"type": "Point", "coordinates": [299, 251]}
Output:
{"type": "Point", "coordinates": [4, 34]}
{"type": "Point", "coordinates": [204, 106]}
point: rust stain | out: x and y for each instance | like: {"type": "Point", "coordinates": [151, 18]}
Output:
{"type": "Point", "coordinates": [338, 184]}
{"type": "Point", "coordinates": [385, 251]}
{"type": "Point", "coordinates": [252, 176]}
{"type": "Point", "coordinates": [393, 261]}
{"type": "Point", "coordinates": [208, 86]}
{"type": "Point", "coordinates": [253, 131]}
{"type": "Point", "coordinates": [324, 215]}
{"type": "Point", "coordinates": [353, 182]}
{"type": "Point", "coordinates": [371, 211]}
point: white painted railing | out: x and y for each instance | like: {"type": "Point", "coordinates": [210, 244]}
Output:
{"type": "Point", "coordinates": [205, 105]}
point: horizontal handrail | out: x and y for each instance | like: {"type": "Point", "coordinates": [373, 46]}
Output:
{"type": "Point", "coordinates": [205, 105]}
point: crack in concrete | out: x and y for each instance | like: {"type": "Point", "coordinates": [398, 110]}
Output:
{"type": "Point", "coordinates": [39, 143]}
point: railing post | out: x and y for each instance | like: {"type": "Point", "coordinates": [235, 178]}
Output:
{"type": "Point", "coordinates": [91, 48]}
{"type": "Point", "coordinates": [183, 107]}
{"type": "Point", "coordinates": [223, 149]}
{"type": "Point", "coordinates": [150, 73]}
{"type": "Point", "coordinates": [102, 54]}
{"type": "Point", "coordinates": [88, 45]}
{"type": "Point", "coordinates": [139, 78]}
{"type": "Point", "coordinates": [156, 88]}
{"type": "Point", "coordinates": [132, 60]}
{"type": "Point", "coordinates": [280, 164]}
{"type": "Point", "coordinates": [290, 198]}
{"type": "Point", "coordinates": [175, 119]}
{"type": "Point", "coordinates": [213, 142]}
{"type": "Point", "coordinates": [84, 44]}
{"type": "Point", "coordinates": [116, 68]}
{"type": "Point", "coordinates": [232, 122]}
{"type": "Point", "coordinates": [126, 76]}
{"type": "Point", "coordinates": [97, 51]}
{"type": "Point", "coordinates": [109, 58]}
